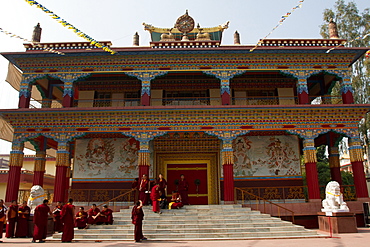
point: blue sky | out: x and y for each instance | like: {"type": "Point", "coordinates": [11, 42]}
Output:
{"type": "Point", "coordinates": [118, 20]}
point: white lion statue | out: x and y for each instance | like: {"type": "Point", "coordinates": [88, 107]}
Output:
{"type": "Point", "coordinates": [37, 195]}
{"type": "Point", "coordinates": [334, 199]}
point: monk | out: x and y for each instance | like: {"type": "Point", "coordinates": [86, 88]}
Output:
{"type": "Point", "coordinates": [40, 218]}
{"type": "Point", "coordinates": [3, 210]}
{"type": "Point", "coordinates": [183, 188]}
{"type": "Point", "coordinates": [137, 216]}
{"type": "Point", "coordinates": [22, 221]}
{"type": "Point", "coordinates": [162, 185]}
{"type": "Point", "coordinates": [58, 225]}
{"type": "Point", "coordinates": [175, 201]}
{"type": "Point", "coordinates": [12, 217]}
{"type": "Point", "coordinates": [81, 219]}
{"type": "Point", "coordinates": [144, 190]}
{"type": "Point", "coordinates": [135, 186]}
{"type": "Point", "coordinates": [68, 218]}
{"type": "Point", "coordinates": [155, 197]}
{"type": "Point", "coordinates": [93, 215]}
{"type": "Point", "coordinates": [107, 215]}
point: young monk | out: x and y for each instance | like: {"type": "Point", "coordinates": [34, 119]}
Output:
{"type": "Point", "coordinates": [12, 217]}
{"type": "Point", "coordinates": [175, 201]}
{"type": "Point", "coordinates": [137, 216]}
{"type": "Point", "coordinates": [183, 189]}
{"type": "Point", "coordinates": [155, 197]}
{"type": "Point", "coordinates": [68, 219]}
{"type": "Point", "coordinates": [93, 214]}
{"type": "Point", "coordinates": [40, 218]}
{"type": "Point", "coordinates": [58, 225]}
{"type": "Point", "coordinates": [144, 189]}
{"type": "Point", "coordinates": [81, 219]}
{"type": "Point", "coordinates": [22, 221]}
{"type": "Point", "coordinates": [106, 215]}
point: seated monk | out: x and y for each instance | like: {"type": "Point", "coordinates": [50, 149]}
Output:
{"type": "Point", "coordinates": [81, 219]}
{"type": "Point", "coordinates": [93, 215]}
{"type": "Point", "coordinates": [106, 215]}
{"type": "Point", "coordinates": [175, 201]}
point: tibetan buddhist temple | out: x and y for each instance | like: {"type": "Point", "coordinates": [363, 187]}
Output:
{"type": "Point", "coordinates": [229, 117]}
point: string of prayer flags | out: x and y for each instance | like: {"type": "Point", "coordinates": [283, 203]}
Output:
{"type": "Point", "coordinates": [70, 26]}
{"type": "Point", "coordinates": [12, 35]}
{"type": "Point", "coordinates": [347, 42]}
{"type": "Point", "coordinates": [283, 18]}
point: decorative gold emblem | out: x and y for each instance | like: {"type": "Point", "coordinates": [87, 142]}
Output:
{"type": "Point", "coordinates": [185, 24]}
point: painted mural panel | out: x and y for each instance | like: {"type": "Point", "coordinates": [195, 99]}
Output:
{"type": "Point", "coordinates": [259, 156]}
{"type": "Point", "coordinates": [106, 158]}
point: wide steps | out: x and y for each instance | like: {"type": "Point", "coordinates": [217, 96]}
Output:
{"type": "Point", "coordinates": [196, 222]}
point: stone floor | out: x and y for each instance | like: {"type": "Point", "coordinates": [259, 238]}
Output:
{"type": "Point", "coordinates": [360, 239]}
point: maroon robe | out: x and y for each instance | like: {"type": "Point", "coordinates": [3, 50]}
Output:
{"type": "Point", "coordinates": [183, 190]}
{"type": "Point", "coordinates": [82, 221]}
{"type": "Point", "coordinates": [107, 216]}
{"type": "Point", "coordinates": [12, 219]}
{"type": "Point", "coordinates": [176, 203]}
{"type": "Point", "coordinates": [40, 218]}
{"type": "Point", "coordinates": [67, 217]}
{"type": "Point", "coordinates": [91, 213]}
{"type": "Point", "coordinates": [137, 216]}
{"type": "Point", "coordinates": [144, 186]}
{"type": "Point", "coordinates": [22, 222]}
{"type": "Point", "coordinates": [155, 196]}
{"type": "Point", "coordinates": [58, 225]}
{"type": "Point", "coordinates": [2, 219]}
{"type": "Point", "coordinates": [162, 185]}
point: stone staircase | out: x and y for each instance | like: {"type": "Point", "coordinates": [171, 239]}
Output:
{"type": "Point", "coordinates": [196, 222]}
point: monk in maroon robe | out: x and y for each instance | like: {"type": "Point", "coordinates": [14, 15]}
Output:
{"type": "Point", "coordinates": [40, 218]}
{"type": "Point", "coordinates": [12, 217]}
{"type": "Point", "coordinates": [175, 200]}
{"type": "Point", "coordinates": [107, 215]}
{"type": "Point", "coordinates": [183, 190]}
{"type": "Point", "coordinates": [155, 197]}
{"type": "Point", "coordinates": [81, 219]}
{"type": "Point", "coordinates": [3, 210]}
{"type": "Point", "coordinates": [162, 185]}
{"type": "Point", "coordinates": [68, 219]}
{"type": "Point", "coordinates": [137, 217]}
{"type": "Point", "coordinates": [135, 186]}
{"type": "Point", "coordinates": [144, 190]}
{"type": "Point", "coordinates": [58, 225]}
{"type": "Point", "coordinates": [93, 215]}
{"type": "Point", "coordinates": [22, 221]}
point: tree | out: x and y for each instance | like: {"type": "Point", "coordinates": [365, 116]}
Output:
{"type": "Point", "coordinates": [352, 24]}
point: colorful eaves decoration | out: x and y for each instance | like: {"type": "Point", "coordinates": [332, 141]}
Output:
{"type": "Point", "coordinates": [70, 26]}
{"type": "Point", "coordinates": [347, 42]}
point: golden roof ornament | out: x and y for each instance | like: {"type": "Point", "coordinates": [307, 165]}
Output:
{"type": "Point", "coordinates": [185, 24]}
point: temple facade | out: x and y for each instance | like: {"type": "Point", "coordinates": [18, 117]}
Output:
{"type": "Point", "coordinates": [225, 116]}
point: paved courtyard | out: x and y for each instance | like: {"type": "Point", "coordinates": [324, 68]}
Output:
{"type": "Point", "coordinates": [362, 238]}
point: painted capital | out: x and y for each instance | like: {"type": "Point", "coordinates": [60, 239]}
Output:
{"type": "Point", "coordinates": [16, 155]}
{"type": "Point", "coordinates": [68, 79]}
{"type": "Point", "coordinates": [62, 158]}
{"type": "Point", "coordinates": [309, 151]}
{"type": "Point", "coordinates": [40, 161]}
{"type": "Point", "coordinates": [302, 76]}
{"type": "Point", "coordinates": [356, 153]}
{"type": "Point", "coordinates": [64, 137]}
{"type": "Point", "coordinates": [225, 76]}
{"type": "Point", "coordinates": [25, 85]}
{"type": "Point", "coordinates": [145, 78]}
{"type": "Point", "coordinates": [334, 157]}
{"type": "Point", "coordinates": [145, 137]}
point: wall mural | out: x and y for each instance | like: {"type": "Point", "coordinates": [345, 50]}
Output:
{"type": "Point", "coordinates": [106, 158]}
{"type": "Point", "coordinates": [256, 156]}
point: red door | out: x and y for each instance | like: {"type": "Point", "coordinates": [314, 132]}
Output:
{"type": "Point", "coordinates": [196, 175]}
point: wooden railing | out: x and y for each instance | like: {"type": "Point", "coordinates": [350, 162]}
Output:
{"type": "Point", "coordinates": [112, 203]}
{"type": "Point", "coordinates": [98, 196]}
{"type": "Point", "coordinates": [267, 206]}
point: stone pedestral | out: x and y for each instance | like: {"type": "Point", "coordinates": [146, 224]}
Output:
{"type": "Point", "coordinates": [341, 222]}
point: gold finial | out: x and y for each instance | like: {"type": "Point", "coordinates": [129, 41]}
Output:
{"type": "Point", "coordinates": [333, 30]}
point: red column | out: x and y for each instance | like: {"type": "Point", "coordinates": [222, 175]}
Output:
{"type": "Point", "coordinates": [357, 157]}
{"type": "Point", "coordinates": [334, 164]}
{"type": "Point", "coordinates": [66, 186]}
{"type": "Point", "coordinates": [303, 98]}
{"type": "Point", "coordinates": [225, 98]}
{"type": "Point", "coordinates": [145, 99]}
{"type": "Point", "coordinates": [310, 160]}
{"type": "Point", "coordinates": [62, 164]}
{"type": "Point", "coordinates": [24, 102]}
{"type": "Point", "coordinates": [39, 168]}
{"type": "Point", "coordinates": [347, 98]}
{"type": "Point", "coordinates": [67, 101]}
{"type": "Point", "coordinates": [228, 169]}
{"type": "Point", "coordinates": [14, 174]}
{"type": "Point", "coordinates": [347, 95]}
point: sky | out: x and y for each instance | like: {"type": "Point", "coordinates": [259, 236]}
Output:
{"type": "Point", "coordinates": [118, 20]}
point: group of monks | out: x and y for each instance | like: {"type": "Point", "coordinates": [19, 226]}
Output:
{"type": "Point", "coordinates": [65, 219]}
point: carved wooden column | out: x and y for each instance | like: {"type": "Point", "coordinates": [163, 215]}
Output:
{"type": "Point", "coordinates": [14, 174]}
{"type": "Point", "coordinates": [225, 77]}
{"type": "Point", "coordinates": [145, 78]}
{"type": "Point", "coordinates": [357, 158]}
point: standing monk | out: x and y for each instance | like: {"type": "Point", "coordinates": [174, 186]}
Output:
{"type": "Point", "coordinates": [137, 216]}
{"type": "Point", "coordinates": [155, 196]}
{"type": "Point", "coordinates": [40, 218]}
{"type": "Point", "coordinates": [162, 185]}
{"type": "Point", "coordinates": [3, 210]}
{"type": "Point", "coordinates": [144, 190]}
{"type": "Point", "coordinates": [81, 219]}
{"type": "Point", "coordinates": [68, 219]}
{"type": "Point", "coordinates": [183, 190]}
{"type": "Point", "coordinates": [58, 225]}
{"type": "Point", "coordinates": [107, 215]}
{"type": "Point", "coordinates": [22, 221]}
{"type": "Point", "coordinates": [12, 216]}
